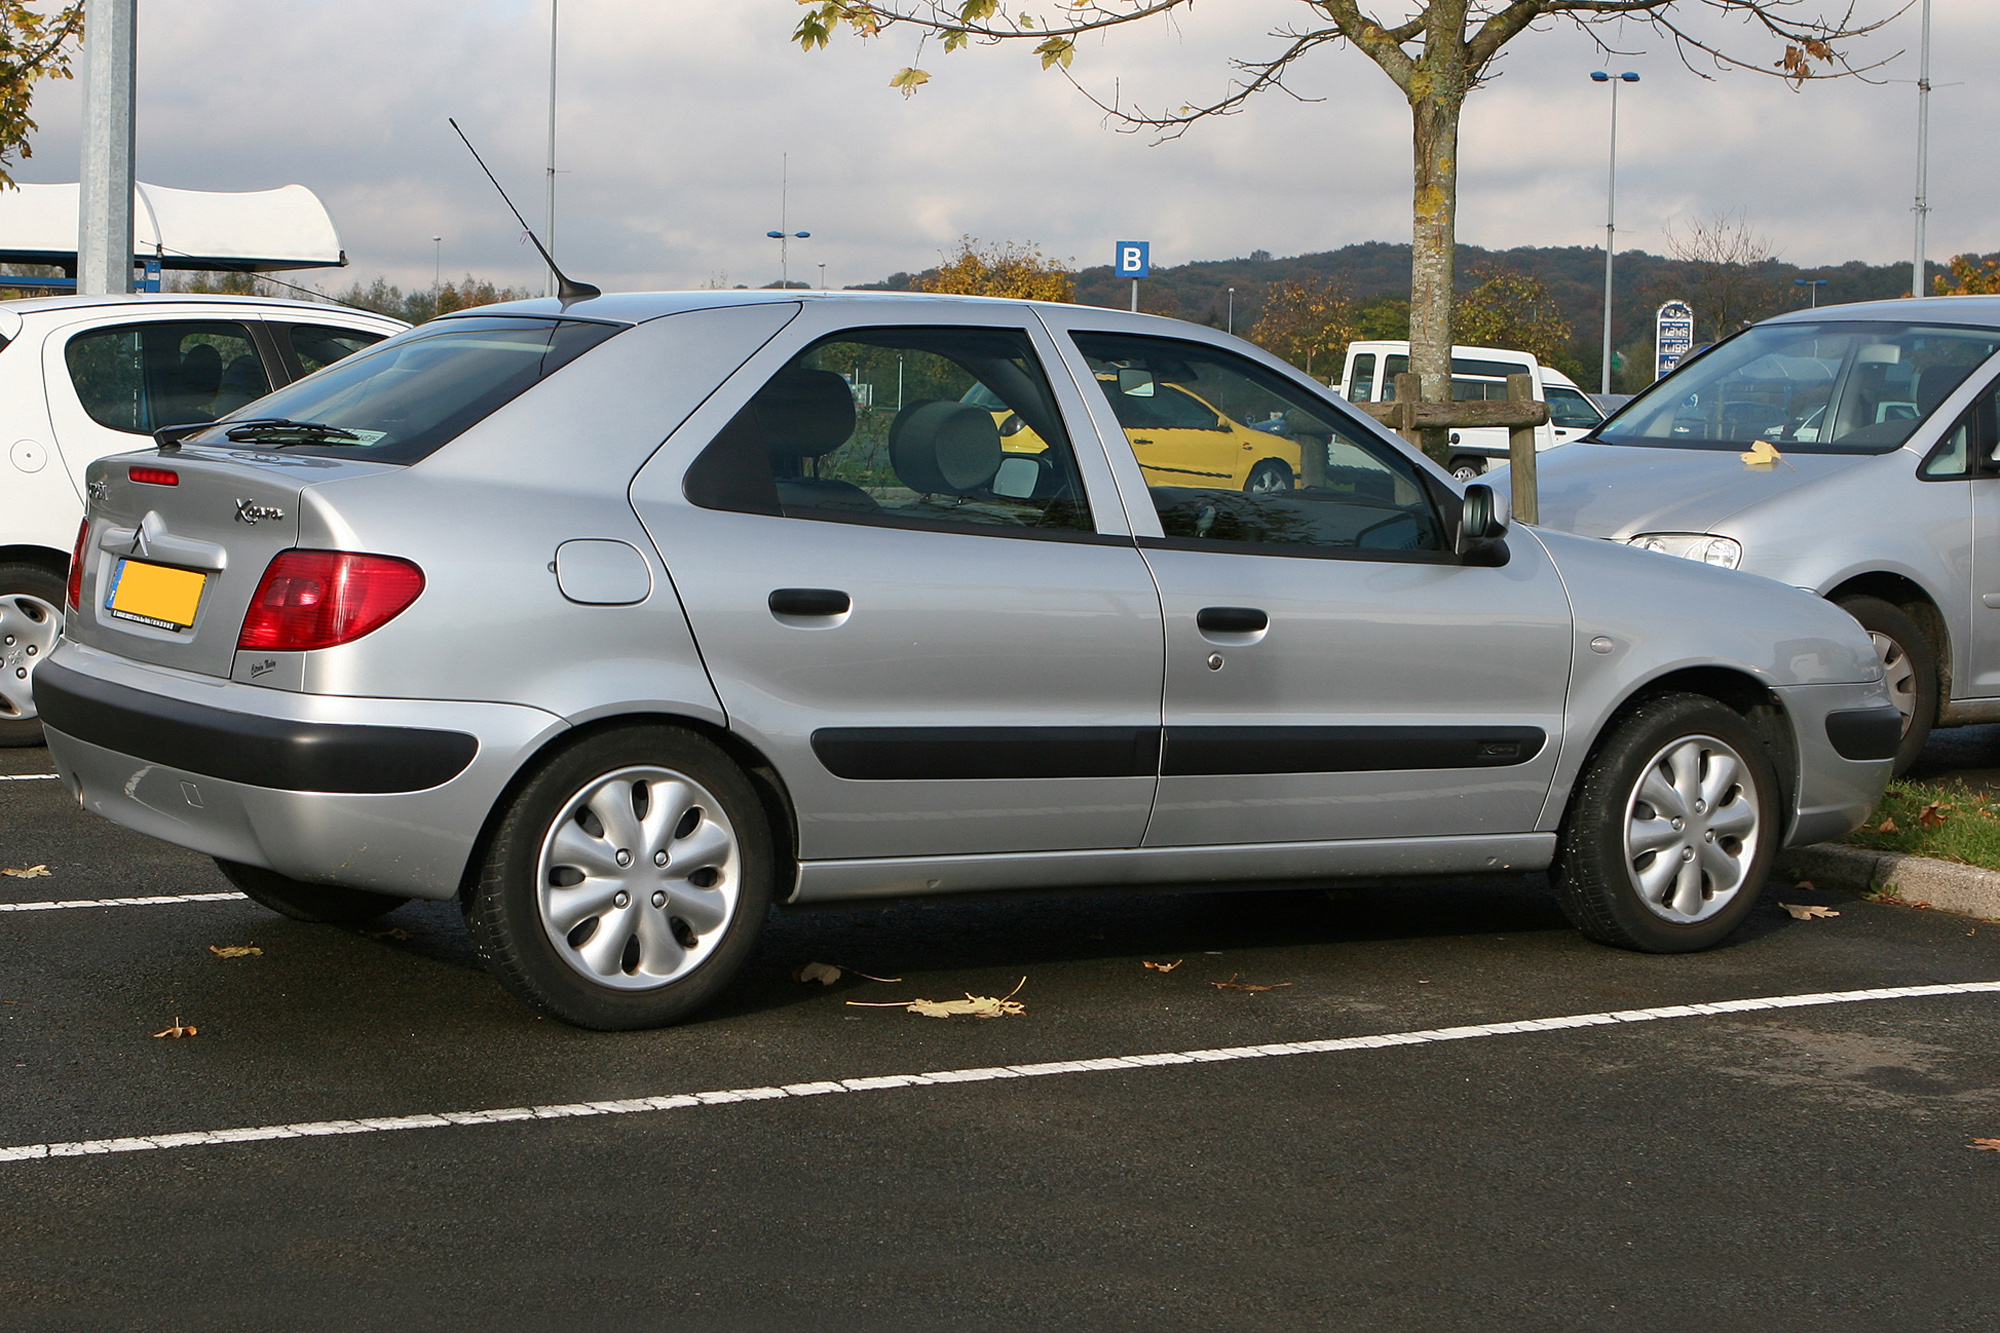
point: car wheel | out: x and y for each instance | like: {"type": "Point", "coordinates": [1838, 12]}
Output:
{"type": "Point", "coordinates": [1672, 829]}
{"type": "Point", "coordinates": [1468, 467]}
{"type": "Point", "coordinates": [31, 602]}
{"type": "Point", "coordinates": [319, 903]}
{"type": "Point", "coordinates": [626, 882]}
{"type": "Point", "coordinates": [1267, 477]}
{"type": "Point", "coordinates": [1909, 666]}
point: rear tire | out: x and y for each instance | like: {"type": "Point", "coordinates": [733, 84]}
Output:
{"type": "Point", "coordinates": [1909, 663]}
{"type": "Point", "coordinates": [627, 881]}
{"type": "Point", "coordinates": [31, 617]}
{"type": "Point", "coordinates": [322, 904]}
{"type": "Point", "coordinates": [1467, 467]}
{"type": "Point", "coordinates": [1672, 829]}
{"type": "Point", "coordinates": [1268, 477]}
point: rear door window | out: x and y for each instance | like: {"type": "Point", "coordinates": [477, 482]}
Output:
{"type": "Point", "coordinates": [1570, 409]}
{"type": "Point", "coordinates": [316, 346]}
{"type": "Point", "coordinates": [140, 377]}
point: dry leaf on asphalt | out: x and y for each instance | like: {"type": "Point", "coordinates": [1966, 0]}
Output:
{"type": "Point", "coordinates": [1234, 984]}
{"type": "Point", "coordinates": [1887, 826]}
{"type": "Point", "coordinates": [1807, 911]}
{"type": "Point", "coordinates": [978, 1006]}
{"type": "Point", "coordinates": [1933, 815]}
{"type": "Point", "coordinates": [1162, 967]}
{"type": "Point", "coordinates": [1990, 1145]}
{"type": "Point", "coordinates": [32, 872]}
{"type": "Point", "coordinates": [235, 951]}
{"type": "Point", "coordinates": [828, 973]}
{"type": "Point", "coordinates": [179, 1029]}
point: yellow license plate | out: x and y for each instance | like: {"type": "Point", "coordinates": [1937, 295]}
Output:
{"type": "Point", "coordinates": [155, 595]}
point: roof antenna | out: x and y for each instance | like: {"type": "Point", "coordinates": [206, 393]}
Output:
{"type": "Point", "coordinates": [566, 290]}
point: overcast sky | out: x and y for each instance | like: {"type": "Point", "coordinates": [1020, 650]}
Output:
{"type": "Point", "coordinates": [675, 114]}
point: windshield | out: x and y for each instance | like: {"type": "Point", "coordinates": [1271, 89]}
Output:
{"type": "Point", "coordinates": [404, 399]}
{"type": "Point", "coordinates": [1822, 388]}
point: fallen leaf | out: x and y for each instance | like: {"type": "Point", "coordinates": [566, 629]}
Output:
{"type": "Point", "coordinates": [1933, 815]}
{"type": "Point", "coordinates": [824, 973]}
{"type": "Point", "coordinates": [1887, 826]}
{"type": "Point", "coordinates": [235, 951]}
{"type": "Point", "coordinates": [1762, 454]}
{"type": "Point", "coordinates": [1234, 984]}
{"type": "Point", "coordinates": [1807, 911]}
{"type": "Point", "coordinates": [978, 1006]}
{"type": "Point", "coordinates": [1162, 967]}
{"type": "Point", "coordinates": [1989, 1145]}
{"type": "Point", "coordinates": [179, 1029]}
{"type": "Point", "coordinates": [32, 872]}
{"type": "Point", "coordinates": [392, 933]}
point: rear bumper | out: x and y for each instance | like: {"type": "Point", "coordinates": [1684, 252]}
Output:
{"type": "Point", "coordinates": [384, 794]}
{"type": "Point", "coordinates": [1835, 793]}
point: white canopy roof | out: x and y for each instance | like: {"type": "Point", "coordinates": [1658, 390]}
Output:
{"type": "Point", "coordinates": [256, 230]}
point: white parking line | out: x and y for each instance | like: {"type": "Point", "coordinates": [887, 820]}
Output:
{"type": "Point", "coordinates": [884, 1082]}
{"type": "Point", "coordinates": [155, 901]}
{"type": "Point", "coordinates": [27, 777]}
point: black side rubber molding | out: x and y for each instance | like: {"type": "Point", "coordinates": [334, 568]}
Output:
{"type": "Point", "coordinates": [1213, 751]}
{"type": "Point", "coordinates": [1231, 620]}
{"type": "Point", "coordinates": [1865, 733]}
{"type": "Point", "coordinates": [257, 751]}
{"type": "Point", "coordinates": [809, 602]}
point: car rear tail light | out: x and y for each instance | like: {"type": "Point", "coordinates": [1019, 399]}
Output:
{"type": "Point", "coordinates": [321, 599]}
{"type": "Point", "coordinates": [154, 476]}
{"type": "Point", "coordinates": [74, 595]}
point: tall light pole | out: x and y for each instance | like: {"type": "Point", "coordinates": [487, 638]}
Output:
{"type": "Point", "coordinates": [550, 282]}
{"type": "Point", "coordinates": [822, 277]}
{"type": "Point", "coordinates": [783, 237]}
{"type": "Point", "coordinates": [1231, 327]}
{"type": "Point", "coordinates": [1917, 265]}
{"type": "Point", "coordinates": [104, 213]}
{"type": "Point", "coordinates": [1610, 213]}
{"type": "Point", "coordinates": [437, 275]}
{"type": "Point", "coordinates": [1813, 285]}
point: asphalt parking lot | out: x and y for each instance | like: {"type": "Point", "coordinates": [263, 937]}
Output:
{"type": "Point", "coordinates": [1139, 1148]}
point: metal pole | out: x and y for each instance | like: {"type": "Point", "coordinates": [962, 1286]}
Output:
{"type": "Point", "coordinates": [1135, 296]}
{"type": "Point", "coordinates": [437, 274]}
{"type": "Point", "coordinates": [550, 288]}
{"type": "Point", "coordinates": [1232, 311]}
{"type": "Point", "coordinates": [784, 222]}
{"type": "Point", "coordinates": [104, 215]}
{"type": "Point", "coordinates": [1610, 235]}
{"type": "Point", "coordinates": [1917, 266]}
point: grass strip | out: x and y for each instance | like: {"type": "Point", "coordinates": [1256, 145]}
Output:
{"type": "Point", "coordinates": [1945, 820]}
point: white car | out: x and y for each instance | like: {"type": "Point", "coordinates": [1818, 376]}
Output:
{"type": "Point", "coordinates": [86, 376]}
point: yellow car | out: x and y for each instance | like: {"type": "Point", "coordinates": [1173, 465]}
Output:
{"type": "Point", "coordinates": [1179, 439]}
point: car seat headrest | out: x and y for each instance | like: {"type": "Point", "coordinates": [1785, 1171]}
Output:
{"type": "Point", "coordinates": [942, 448]}
{"type": "Point", "coordinates": [1934, 385]}
{"type": "Point", "coordinates": [804, 413]}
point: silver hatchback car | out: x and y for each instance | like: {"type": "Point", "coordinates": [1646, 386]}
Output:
{"type": "Point", "coordinates": [621, 621]}
{"type": "Point", "coordinates": [1851, 451]}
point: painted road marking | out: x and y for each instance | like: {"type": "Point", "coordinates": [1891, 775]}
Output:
{"type": "Point", "coordinates": [574, 1110]}
{"type": "Point", "coordinates": [155, 901]}
{"type": "Point", "coordinates": [27, 777]}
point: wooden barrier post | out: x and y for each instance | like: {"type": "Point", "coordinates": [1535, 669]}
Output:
{"type": "Point", "coordinates": [1521, 454]}
{"type": "Point", "coordinates": [1409, 393]}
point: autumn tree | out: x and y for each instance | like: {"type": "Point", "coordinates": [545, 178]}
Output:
{"type": "Point", "coordinates": [1725, 273]}
{"type": "Point", "coordinates": [33, 46]}
{"type": "Point", "coordinates": [1514, 310]}
{"type": "Point", "coordinates": [1970, 276]}
{"type": "Point", "coordinates": [1001, 269]}
{"type": "Point", "coordinates": [1304, 321]}
{"type": "Point", "coordinates": [1436, 53]}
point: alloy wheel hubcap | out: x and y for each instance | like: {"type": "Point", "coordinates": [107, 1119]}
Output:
{"type": "Point", "coordinates": [29, 628]}
{"type": "Point", "coordinates": [1692, 829]}
{"type": "Point", "coordinates": [1898, 674]}
{"type": "Point", "coordinates": [638, 877]}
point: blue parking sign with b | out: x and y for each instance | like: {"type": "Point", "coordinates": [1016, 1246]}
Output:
{"type": "Point", "coordinates": [1134, 259]}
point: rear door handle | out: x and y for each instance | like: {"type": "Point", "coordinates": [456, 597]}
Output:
{"type": "Point", "coordinates": [1231, 620]}
{"type": "Point", "coordinates": [810, 602]}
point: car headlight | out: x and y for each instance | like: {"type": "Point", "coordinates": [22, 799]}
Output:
{"type": "Point", "coordinates": [1723, 552]}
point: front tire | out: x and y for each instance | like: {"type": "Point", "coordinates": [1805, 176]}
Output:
{"type": "Point", "coordinates": [1672, 829]}
{"type": "Point", "coordinates": [626, 882]}
{"type": "Point", "coordinates": [31, 619]}
{"type": "Point", "coordinates": [322, 904]}
{"type": "Point", "coordinates": [1467, 467]}
{"type": "Point", "coordinates": [1268, 477]}
{"type": "Point", "coordinates": [1909, 666]}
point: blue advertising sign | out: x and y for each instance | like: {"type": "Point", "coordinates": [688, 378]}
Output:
{"type": "Point", "coordinates": [1134, 259]}
{"type": "Point", "coordinates": [1673, 336]}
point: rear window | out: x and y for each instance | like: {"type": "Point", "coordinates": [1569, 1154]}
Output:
{"type": "Point", "coordinates": [318, 346]}
{"type": "Point", "coordinates": [404, 399]}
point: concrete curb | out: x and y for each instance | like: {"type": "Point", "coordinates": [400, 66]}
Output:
{"type": "Point", "coordinates": [1918, 881]}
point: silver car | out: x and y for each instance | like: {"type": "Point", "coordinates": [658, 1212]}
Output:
{"type": "Point", "coordinates": [621, 621]}
{"type": "Point", "coordinates": [1848, 451]}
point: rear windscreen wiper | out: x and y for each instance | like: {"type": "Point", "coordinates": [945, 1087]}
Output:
{"type": "Point", "coordinates": [272, 429]}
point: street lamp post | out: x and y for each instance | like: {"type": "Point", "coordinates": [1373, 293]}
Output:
{"type": "Point", "coordinates": [782, 236]}
{"type": "Point", "coordinates": [1232, 311]}
{"type": "Point", "coordinates": [553, 280]}
{"type": "Point", "coordinates": [437, 275]}
{"type": "Point", "coordinates": [1923, 209]}
{"type": "Point", "coordinates": [822, 277]}
{"type": "Point", "coordinates": [1813, 285]}
{"type": "Point", "coordinates": [1610, 213]}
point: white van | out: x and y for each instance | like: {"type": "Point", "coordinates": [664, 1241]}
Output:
{"type": "Point", "coordinates": [1476, 373]}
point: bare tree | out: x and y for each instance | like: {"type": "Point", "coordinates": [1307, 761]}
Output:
{"type": "Point", "coordinates": [1436, 55]}
{"type": "Point", "coordinates": [1725, 272]}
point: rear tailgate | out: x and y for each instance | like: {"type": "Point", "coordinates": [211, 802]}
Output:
{"type": "Point", "coordinates": [178, 541]}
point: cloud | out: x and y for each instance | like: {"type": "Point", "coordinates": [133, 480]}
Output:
{"type": "Point", "coordinates": [675, 116]}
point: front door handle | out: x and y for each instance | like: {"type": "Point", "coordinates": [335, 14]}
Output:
{"type": "Point", "coordinates": [1231, 620]}
{"type": "Point", "coordinates": [810, 602]}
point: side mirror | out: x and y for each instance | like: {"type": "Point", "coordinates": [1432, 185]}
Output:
{"type": "Point", "coordinates": [1137, 383]}
{"type": "Point", "coordinates": [1483, 518]}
